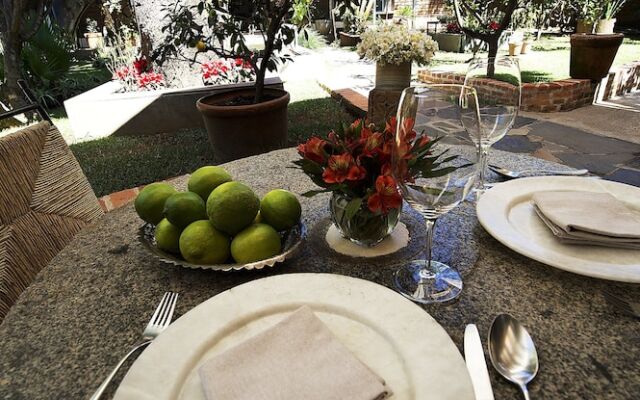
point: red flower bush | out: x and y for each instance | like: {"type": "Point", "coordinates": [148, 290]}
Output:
{"type": "Point", "coordinates": [355, 160]}
{"type": "Point", "coordinates": [139, 76]}
{"type": "Point", "coordinates": [493, 26]}
{"type": "Point", "coordinates": [222, 71]}
{"type": "Point", "coordinates": [453, 27]}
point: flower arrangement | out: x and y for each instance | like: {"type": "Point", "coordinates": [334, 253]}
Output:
{"type": "Point", "coordinates": [225, 71]}
{"type": "Point", "coordinates": [396, 44]}
{"type": "Point", "coordinates": [139, 76]}
{"type": "Point", "coordinates": [453, 27]}
{"type": "Point", "coordinates": [356, 160]}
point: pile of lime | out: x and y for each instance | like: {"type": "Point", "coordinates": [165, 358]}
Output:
{"type": "Point", "coordinates": [217, 219]}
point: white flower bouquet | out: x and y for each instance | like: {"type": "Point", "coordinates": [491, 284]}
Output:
{"type": "Point", "coordinates": [396, 44]}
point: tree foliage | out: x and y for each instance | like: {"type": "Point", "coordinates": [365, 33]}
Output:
{"type": "Point", "coordinates": [213, 27]}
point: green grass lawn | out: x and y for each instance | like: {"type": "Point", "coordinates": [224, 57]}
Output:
{"type": "Point", "coordinates": [548, 60]}
{"type": "Point", "coordinates": [121, 162]}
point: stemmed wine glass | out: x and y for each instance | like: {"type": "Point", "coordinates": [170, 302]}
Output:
{"type": "Point", "coordinates": [498, 84]}
{"type": "Point", "coordinates": [433, 114]}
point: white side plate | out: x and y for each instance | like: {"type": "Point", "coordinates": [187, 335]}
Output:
{"type": "Point", "coordinates": [394, 337]}
{"type": "Point", "coordinates": [506, 212]}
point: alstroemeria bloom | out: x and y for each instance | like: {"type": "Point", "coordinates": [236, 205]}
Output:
{"type": "Point", "coordinates": [342, 167]}
{"type": "Point", "coordinates": [386, 197]}
{"type": "Point", "coordinates": [314, 150]}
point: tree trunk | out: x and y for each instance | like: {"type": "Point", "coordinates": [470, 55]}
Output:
{"type": "Point", "coordinates": [13, 70]}
{"type": "Point", "coordinates": [492, 41]}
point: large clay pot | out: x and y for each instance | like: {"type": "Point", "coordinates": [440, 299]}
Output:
{"type": "Point", "coordinates": [323, 26]}
{"type": "Point", "coordinates": [584, 26]}
{"type": "Point", "coordinates": [237, 131]}
{"type": "Point", "coordinates": [393, 77]}
{"type": "Point", "coordinates": [605, 26]}
{"type": "Point", "coordinates": [349, 40]}
{"type": "Point", "coordinates": [592, 55]}
{"type": "Point", "coordinates": [452, 42]}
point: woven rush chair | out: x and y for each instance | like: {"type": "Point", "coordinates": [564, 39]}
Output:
{"type": "Point", "coordinates": [45, 199]}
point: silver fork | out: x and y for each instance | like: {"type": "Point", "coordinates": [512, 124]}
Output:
{"type": "Point", "coordinates": [623, 305]}
{"type": "Point", "coordinates": [159, 322]}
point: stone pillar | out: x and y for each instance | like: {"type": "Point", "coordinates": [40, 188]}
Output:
{"type": "Point", "coordinates": [383, 104]}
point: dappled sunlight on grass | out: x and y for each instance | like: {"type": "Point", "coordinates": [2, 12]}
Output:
{"type": "Point", "coordinates": [121, 162]}
{"type": "Point", "coordinates": [548, 61]}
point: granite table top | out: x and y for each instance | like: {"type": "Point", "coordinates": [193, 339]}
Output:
{"type": "Point", "coordinates": [89, 306]}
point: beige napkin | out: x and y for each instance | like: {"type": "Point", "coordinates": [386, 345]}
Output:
{"type": "Point", "coordinates": [588, 218]}
{"type": "Point", "coordinates": [297, 359]}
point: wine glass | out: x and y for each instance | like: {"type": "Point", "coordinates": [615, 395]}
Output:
{"type": "Point", "coordinates": [435, 164]}
{"type": "Point", "coordinates": [498, 84]}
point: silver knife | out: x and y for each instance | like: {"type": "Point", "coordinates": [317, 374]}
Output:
{"type": "Point", "coordinates": [476, 364]}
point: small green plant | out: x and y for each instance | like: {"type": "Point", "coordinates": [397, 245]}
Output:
{"type": "Point", "coordinates": [311, 39]}
{"type": "Point", "coordinates": [610, 8]}
{"type": "Point", "coordinates": [405, 12]}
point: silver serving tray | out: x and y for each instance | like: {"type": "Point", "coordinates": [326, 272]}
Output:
{"type": "Point", "coordinates": [291, 241]}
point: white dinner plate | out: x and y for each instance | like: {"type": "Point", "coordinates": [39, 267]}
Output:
{"type": "Point", "coordinates": [506, 212]}
{"type": "Point", "coordinates": [394, 337]}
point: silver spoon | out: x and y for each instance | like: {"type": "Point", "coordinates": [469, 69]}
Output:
{"type": "Point", "coordinates": [512, 351]}
{"type": "Point", "coordinates": [507, 173]}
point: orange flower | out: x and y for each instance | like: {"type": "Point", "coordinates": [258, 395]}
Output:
{"type": "Point", "coordinates": [386, 197]}
{"type": "Point", "coordinates": [313, 150]}
{"type": "Point", "coordinates": [342, 167]}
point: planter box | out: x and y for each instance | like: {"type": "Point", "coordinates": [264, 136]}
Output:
{"type": "Point", "coordinates": [453, 42]}
{"type": "Point", "coordinates": [102, 111]}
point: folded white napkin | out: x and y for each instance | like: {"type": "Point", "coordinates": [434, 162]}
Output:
{"type": "Point", "coordinates": [298, 358]}
{"type": "Point", "coordinates": [588, 218]}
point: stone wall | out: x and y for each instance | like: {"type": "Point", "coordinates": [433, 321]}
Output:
{"type": "Point", "coordinates": [424, 8]}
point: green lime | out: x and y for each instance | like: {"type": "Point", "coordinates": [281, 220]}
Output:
{"type": "Point", "coordinates": [181, 209]}
{"type": "Point", "coordinates": [201, 243]}
{"type": "Point", "coordinates": [154, 185]}
{"type": "Point", "coordinates": [150, 201]}
{"type": "Point", "coordinates": [257, 242]}
{"type": "Point", "coordinates": [168, 236]}
{"type": "Point", "coordinates": [232, 207]}
{"type": "Point", "coordinates": [205, 179]}
{"type": "Point", "coordinates": [280, 209]}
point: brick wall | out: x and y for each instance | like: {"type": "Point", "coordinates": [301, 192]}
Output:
{"type": "Point", "coordinates": [424, 8]}
{"type": "Point", "coordinates": [563, 95]}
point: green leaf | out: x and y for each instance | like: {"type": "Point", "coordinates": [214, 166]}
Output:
{"type": "Point", "coordinates": [312, 193]}
{"type": "Point", "coordinates": [352, 208]}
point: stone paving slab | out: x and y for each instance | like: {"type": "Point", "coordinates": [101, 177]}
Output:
{"type": "Point", "coordinates": [580, 140]}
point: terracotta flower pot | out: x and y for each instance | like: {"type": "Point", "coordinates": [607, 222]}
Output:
{"type": "Point", "coordinates": [514, 49]}
{"type": "Point", "coordinates": [391, 76]}
{"type": "Point", "coordinates": [592, 55]}
{"type": "Point", "coordinates": [323, 26]}
{"type": "Point", "coordinates": [605, 26]}
{"type": "Point", "coordinates": [584, 26]}
{"type": "Point", "coordinates": [237, 131]}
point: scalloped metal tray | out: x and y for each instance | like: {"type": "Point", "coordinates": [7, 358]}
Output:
{"type": "Point", "coordinates": [291, 241]}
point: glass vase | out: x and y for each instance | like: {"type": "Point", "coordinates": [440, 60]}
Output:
{"type": "Point", "coordinates": [364, 228]}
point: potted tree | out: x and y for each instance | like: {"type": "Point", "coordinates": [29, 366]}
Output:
{"type": "Point", "coordinates": [354, 17]}
{"type": "Point", "coordinates": [609, 9]}
{"type": "Point", "coordinates": [587, 11]}
{"type": "Point", "coordinates": [245, 121]}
